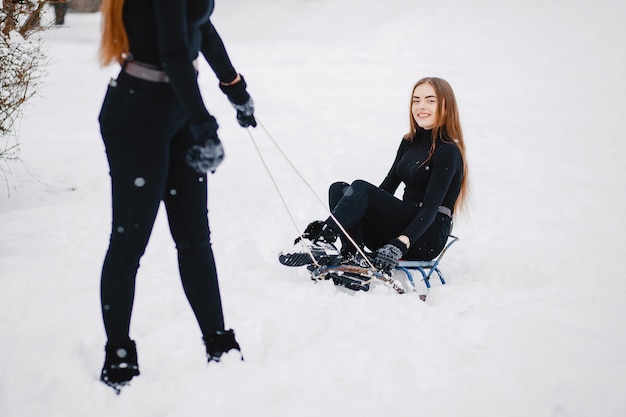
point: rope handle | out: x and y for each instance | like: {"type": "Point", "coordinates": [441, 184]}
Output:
{"type": "Point", "coordinates": [284, 202]}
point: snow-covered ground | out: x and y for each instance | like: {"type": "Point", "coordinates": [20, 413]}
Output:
{"type": "Point", "coordinates": [531, 322]}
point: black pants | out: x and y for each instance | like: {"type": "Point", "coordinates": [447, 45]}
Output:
{"type": "Point", "coordinates": [372, 217]}
{"type": "Point", "coordinates": [146, 134]}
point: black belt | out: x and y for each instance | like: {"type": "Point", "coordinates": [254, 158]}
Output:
{"type": "Point", "coordinates": [148, 72]}
{"type": "Point", "coordinates": [442, 209]}
{"type": "Point", "coordinates": [445, 210]}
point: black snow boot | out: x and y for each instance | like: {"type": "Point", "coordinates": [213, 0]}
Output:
{"type": "Point", "coordinates": [315, 245]}
{"type": "Point", "coordinates": [120, 365]}
{"type": "Point", "coordinates": [322, 253]}
{"type": "Point", "coordinates": [219, 343]}
{"type": "Point", "coordinates": [318, 231]}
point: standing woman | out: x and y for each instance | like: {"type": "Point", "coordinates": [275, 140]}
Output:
{"type": "Point", "coordinates": [160, 142]}
{"type": "Point", "coordinates": [431, 163]}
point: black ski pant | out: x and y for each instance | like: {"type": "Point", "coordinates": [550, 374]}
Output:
{"type": "Point", "coordinates": [373, 217]}
{"type": "Point", "coordinates": [146, 135]}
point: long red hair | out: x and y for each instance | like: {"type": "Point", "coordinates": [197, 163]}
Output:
{"type": "Point", "coordinates": [447, 127]}
{"type": "Point", "coordinates": [114, 42]}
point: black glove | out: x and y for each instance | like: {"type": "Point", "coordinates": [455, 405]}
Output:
{"type": "Point", "coordinates": [207, 153]}
{"type": "Point", "coordinates": [241, 101]}
{"type": "Point", "coordinates": [318, 230]}
{"type": "Point", "coordinates": [388, 256]}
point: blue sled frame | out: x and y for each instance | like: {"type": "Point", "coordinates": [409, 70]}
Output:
{"type": "Point", "coordinates": [426, 268]}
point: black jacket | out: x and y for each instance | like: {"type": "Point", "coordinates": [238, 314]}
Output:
{"type": "Point", "coordinates": [170, 34]}
{"type": "Point", "coordinates": [434, 184]}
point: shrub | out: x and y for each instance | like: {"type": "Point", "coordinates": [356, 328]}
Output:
{"type": "Point", "coordinates": [21, 65]}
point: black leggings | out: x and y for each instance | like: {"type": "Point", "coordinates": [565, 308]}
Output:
{"type": "Point", "coordinates": [146, 136]}
{"type": "Point", "coordinates": [372, 217]}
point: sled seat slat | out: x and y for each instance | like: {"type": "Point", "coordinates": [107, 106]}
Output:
{"type": "Point", "coordinates": [426, 268]}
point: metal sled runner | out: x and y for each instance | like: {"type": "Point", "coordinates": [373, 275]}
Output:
{"type": "Point", "coordinates": [426, 268]}
{"type": "Point", "coordinates": [359, 277]}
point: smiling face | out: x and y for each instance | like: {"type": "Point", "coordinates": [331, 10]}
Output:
{"type": "Point", "coordinates": [424, 107]}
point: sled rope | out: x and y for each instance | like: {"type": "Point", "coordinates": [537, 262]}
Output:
{"type": "Point", "coordinates": [269, 172]}
{"type": "Point", "coordinates": [280, 194]}
{"type": "Point", "coordinates": [293, 167]}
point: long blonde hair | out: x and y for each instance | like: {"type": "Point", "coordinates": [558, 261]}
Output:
{"type": "Point", "coordinates": [114, 42]}
{"type": "Point", "coordinates": [447, 127]}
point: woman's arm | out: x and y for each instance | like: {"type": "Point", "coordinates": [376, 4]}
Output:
{"type": "Point", "coordinates": [215, 54]}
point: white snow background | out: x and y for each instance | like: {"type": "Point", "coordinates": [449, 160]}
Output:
{"type": "Point", "coordinates": [531, 321]}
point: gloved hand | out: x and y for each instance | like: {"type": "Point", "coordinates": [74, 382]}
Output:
{"type": "Point", "coordinates": [207, 153]}
{"type": "Point", "coordinates": [241, 101]}
{"type": "Point", "coordinates": [318, 230]}
{"type": "Point", "coordinates": [388, 256]}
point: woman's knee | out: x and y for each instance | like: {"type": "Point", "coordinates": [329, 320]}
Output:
{"type": "Point", "coordinates": [359, 187]}
{"type": "Point", "coordinates": [338, 187]}
{"type": "Point", "coordinates": [336, 191]}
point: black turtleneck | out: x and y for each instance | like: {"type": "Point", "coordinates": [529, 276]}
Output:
{"type": "Point", "coordinates": [434, 184]}
{"type": "Point", "coordinates": [170, 34]}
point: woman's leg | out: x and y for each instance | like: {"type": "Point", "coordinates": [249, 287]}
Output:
{"type": "Point", "coordinates": [134, 122]}
{"type": "Point", "coordinates": [372, 214]}
{"type": "Point", "coordinates": [186, 203]}
{"type": "Point", "coordinates": [336, 192]}
{"type": "Point", "coordinates": [136, 196]}
{"type": "Point", "coordinates": [373, 217]}
{"type": "Point", "coordinates": [432, 242]}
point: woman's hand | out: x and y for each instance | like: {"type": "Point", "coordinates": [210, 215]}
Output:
{"type": "Point", "coordinates": [388, 256]}
{"type": "Point", "coordinates": [207, 153]}
{"type": "Point", "coordinates": [240, 100]}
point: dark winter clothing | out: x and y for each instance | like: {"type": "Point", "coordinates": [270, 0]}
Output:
{"type": "Point", "coordinates": [60, 9]}
{"type": "Point", "coordinates": [373, 216]}
{"type": "Point", "coordinates": [213, 50]}
{"type": "Point", "coordinates": [171, 41]}
{"type": "Point", "coordinates": [145, 126]}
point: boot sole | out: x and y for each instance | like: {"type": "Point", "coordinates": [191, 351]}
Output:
{"type": "Point", "coordinates": [301, 259]}
{"type": "Point", "coordinates": [350, 281]}
{"type": "Point", "coordinates": [322, 253]}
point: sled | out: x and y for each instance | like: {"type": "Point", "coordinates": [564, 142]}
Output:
{"type": "Point", "coordinates": [353, 277]}
{"type": "Point", "coordinates": [426, 268]}
{"type": "Point", "coordinates": [358, 278]}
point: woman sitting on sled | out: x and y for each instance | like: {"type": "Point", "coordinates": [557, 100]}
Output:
{"type": "Point", "coordinates": [432, 165]}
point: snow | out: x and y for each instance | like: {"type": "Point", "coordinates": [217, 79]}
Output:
{"type": "Point", "coordinates": [531, 320]}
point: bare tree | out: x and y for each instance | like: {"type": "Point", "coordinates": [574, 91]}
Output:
{"type": "Point", "coordinates": [22, 61]}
